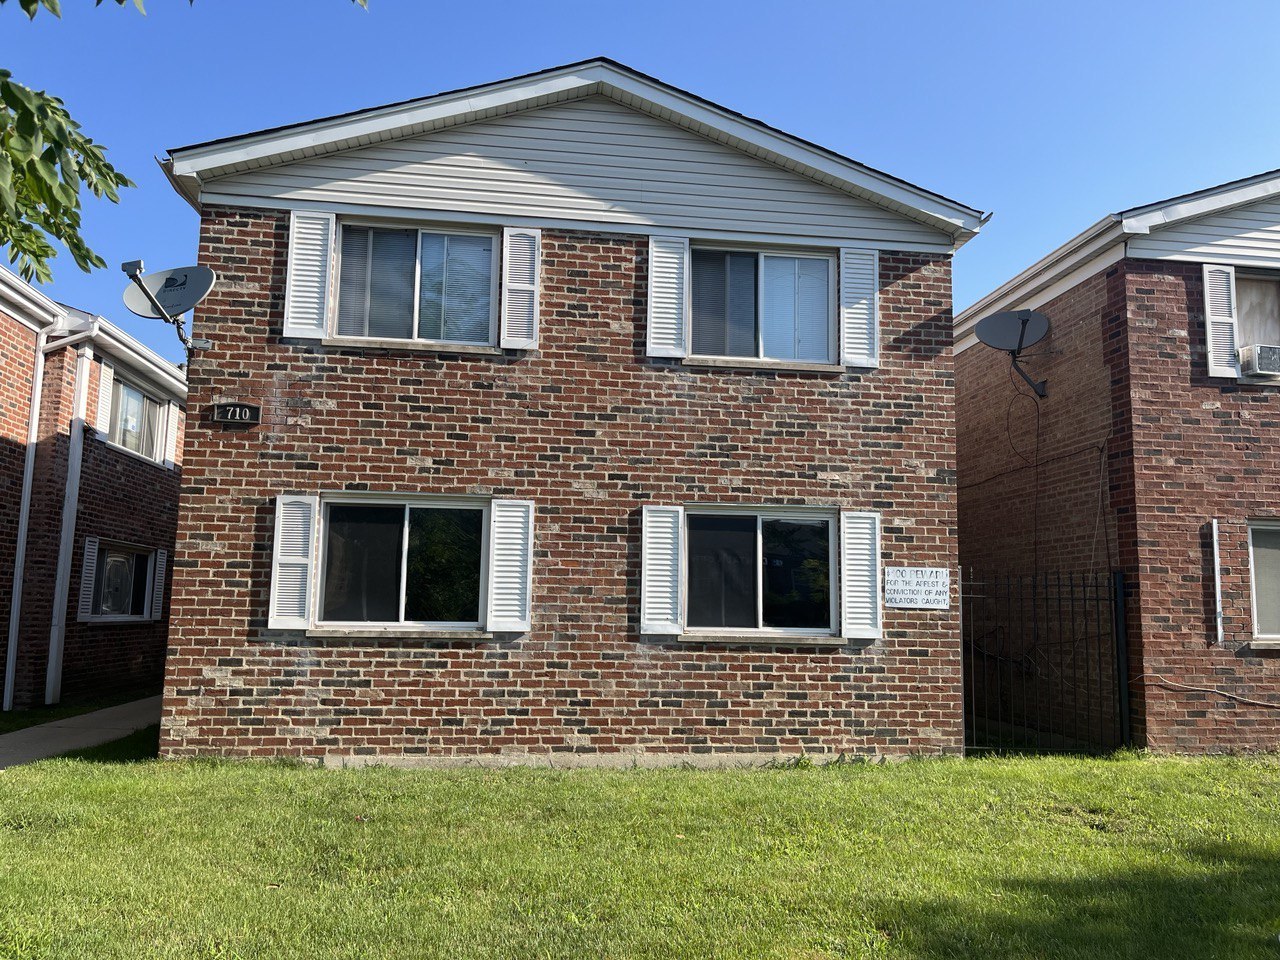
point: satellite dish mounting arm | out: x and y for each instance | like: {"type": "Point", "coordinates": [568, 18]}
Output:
{"type": "Point", "coordinates": [133, 269]}
{"type": "Point", "coordinates": [1041, 388]}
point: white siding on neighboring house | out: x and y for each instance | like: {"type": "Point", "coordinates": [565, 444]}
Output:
{"type": "Point", "coordinates": [1244, 236]}
{"type": "Point", "coordinates": [588, 160]}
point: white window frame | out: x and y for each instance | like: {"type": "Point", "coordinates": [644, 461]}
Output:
{"type": "Point", "coordinates": [105, 545]}
{"type": "Point", "coordinates": [407, 503]}
{"type": "Point", "coordinates": [833, 294]}
{"type": "Point", "coordinates": [762, 513]}
{"type": "Point", "coordinates": [1258, 524]}
{"type": "Point", "coordinates": [1251, 273]}
{"type": "Point", "coordinates": [117, 410]}
{"type": "Point", "coordinates": [495, 276]}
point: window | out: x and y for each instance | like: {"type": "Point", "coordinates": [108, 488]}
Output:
{"type": "Point", "coordinates": [417, 285]}
{"type": "Point", "coordinates": [763, 305]}
{"type": "Point", "coordinates": [403, 564]}
{"type": "Point", "coordinates": [760, 571]}
{"type": "Point", "coordinates": [1264, 555]}
{"type": "Point", "coordinates": [135, 420]}
{"type": "Point", "coordinates": [1258, 309]}
{"type": "Point", "coordinates": [123, 581]}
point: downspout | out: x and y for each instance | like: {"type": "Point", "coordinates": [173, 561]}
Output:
{"type": "Point", "coordinates": [70, 505]}
{"type": "Point", "coordinates": [24, 516]}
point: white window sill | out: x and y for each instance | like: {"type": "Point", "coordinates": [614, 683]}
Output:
{"type": "Point", "coordinates": [160, 464]}
{"type": "Point", "coordinates": [753, 363]}
{"type": "Point", "coordinates": [398, 632]}
{"type": "Point", "coordinates": [763, 638]}
{"type": "Point", "coordinates": [418, 346]}
{"type": "Point", "coordinates": [1265, 643]}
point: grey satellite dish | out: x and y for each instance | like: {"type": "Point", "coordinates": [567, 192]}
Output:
{"type": "Point", "coordinates": [1013, 331]}
{"type": "Point", "coordinates": [172, 292]}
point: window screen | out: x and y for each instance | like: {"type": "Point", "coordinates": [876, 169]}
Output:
{"type": "Point", "coordinates": [722, 571]}
{"type": "Point", "coordinates": [797, 573]}
{"type": "Point", "coordinates": [1266, 579]}
{"type": "Point", "coordinates": [120, 589]}
{"type": "Point", "coordinates": [440, 550]}
{"type": "Point", "coordinates": [761, 305]}
{"type": "Point", "coordinates": [1258, 310]}
{"type": "Point", "coordinates": [135, 420]}
{"type": "Point", "coordinates": [386, 274]}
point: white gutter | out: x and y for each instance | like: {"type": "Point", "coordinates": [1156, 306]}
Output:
{"type": "Point", "coordinates": [24, 517]}
{"type": "Point", "coordinates": [70, 505]}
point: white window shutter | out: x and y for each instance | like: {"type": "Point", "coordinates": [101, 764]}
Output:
{"type": "Point", "coordinates": [667, 323]}
{"type": "Point", "coordinates": [661, 570]}
{"type": "Point", "coordinates": [310, 274]}
{"type": "Point", "coordinates": [521, 276]}
{"type": "Point", "coordinates": [510, 566]}
{"type": "Point", "coordinates": [292, 562]}
{"type": "Point", "coordinates": [859, 307]}
{"type": "Point", "coordinates": [159, 568]}
{"type": "Point", "coordinates": [172, 425]}
{"type": "Point", "coordinates": [88, 579]}
{"type": "Point", "coordinates": [1220, 320]}
{"type": "Point", "coordinates": [860, 617]}
{"type": "Point", "coordinates": [106, 386]}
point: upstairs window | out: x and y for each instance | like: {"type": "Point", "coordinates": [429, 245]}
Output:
{"type": "Point", "coordinates": [136, 423]}
{"type": "Point", "coordinates": [1258, 309]}
{"type": "Point", "coordinates": [763, 305]}
{"type": "Point", "coordinates": [404, 284]}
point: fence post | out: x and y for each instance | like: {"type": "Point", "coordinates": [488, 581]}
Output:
{"type": "Point", "coordinates": [1122, 654]}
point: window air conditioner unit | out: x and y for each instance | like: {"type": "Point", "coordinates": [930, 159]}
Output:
{"type": "Point", "coordinates": [1260, 360]}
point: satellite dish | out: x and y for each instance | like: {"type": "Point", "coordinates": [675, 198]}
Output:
{"type": "Point", "coordinates": [1013, 330]}
{"type": "Point", "coordinates": [174, 291]}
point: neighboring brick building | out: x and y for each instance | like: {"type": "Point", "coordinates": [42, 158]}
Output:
{"type": "Point", "coordinates": [88, 501]}
{"type": "Point", "coordinates": [1156, 457]}
{"type": "Point", "coordinates": [589, 413]}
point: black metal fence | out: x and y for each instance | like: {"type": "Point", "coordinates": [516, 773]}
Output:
{"type": "Point", "coordinates": [1045, 663]}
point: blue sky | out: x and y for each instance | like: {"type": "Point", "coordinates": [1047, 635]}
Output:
{"type": "Point", "coordinates": [1048, 114]}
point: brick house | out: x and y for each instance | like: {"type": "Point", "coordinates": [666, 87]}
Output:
{"type": "Point", "coordinates": [89, 483]}
{"type": "Point", "coordinates": [1157, 453]}
{"type": "Point", "coordinates": [590, 411]}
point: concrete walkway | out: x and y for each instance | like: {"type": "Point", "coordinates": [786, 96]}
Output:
{"type": "Point", "coordinates": [76, 733]}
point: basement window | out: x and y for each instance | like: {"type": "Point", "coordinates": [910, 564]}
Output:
{"type": "Point", "coordinates": [768, 306]}
{"type": "Point", "coordinates": [400, 564]}
{"type": "Point", "coordinates": [749, 571]}
{"type": "Point", "coordinates": [418, 285]}
{"type": "Point", "coordinates": [1264, 563]}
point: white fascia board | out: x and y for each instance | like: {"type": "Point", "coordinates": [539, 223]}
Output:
{"type": "Point", "coordinates": [333, 134]}
{"type": "Point", "coordinates": [24, 303]}
{"type": "Point", "coordinates": [1078, 253]}
{"type": "Point", "coordinates": [201, 163]}
{"type": "Point", "coordinates": [140, 359]}
{"type": "Point", "coordinates": [1145, 219]}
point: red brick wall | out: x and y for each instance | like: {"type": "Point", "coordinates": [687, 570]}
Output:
{"type": "Point", "coordinates": [1203, 449]}
{"type": "Point", "coordinates": [17, 370]}
{"type": "Point", "coordinates": [590, 429]}
{"type": "Point", "coordinates": [997, 423]}
{"type": "Point", "coordinates": [121, 498]}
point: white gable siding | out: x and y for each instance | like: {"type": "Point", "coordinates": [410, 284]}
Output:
{"type": "Point", "coordinates": [590, 160]}
{"type": "Point", "coordinates": [1245, 236]}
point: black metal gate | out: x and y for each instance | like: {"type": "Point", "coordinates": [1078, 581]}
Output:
{"type": "Point", "coordinates": [1045, 663]}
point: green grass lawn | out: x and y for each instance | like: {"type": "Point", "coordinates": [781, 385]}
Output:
{"type": "Point", "coordinates": [1128, 857]}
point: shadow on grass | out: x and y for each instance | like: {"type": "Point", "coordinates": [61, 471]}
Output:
{"type": "Point", "coordinates": [140, 745]}
{"type": "Point", "coordinates": [1213, 902]}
